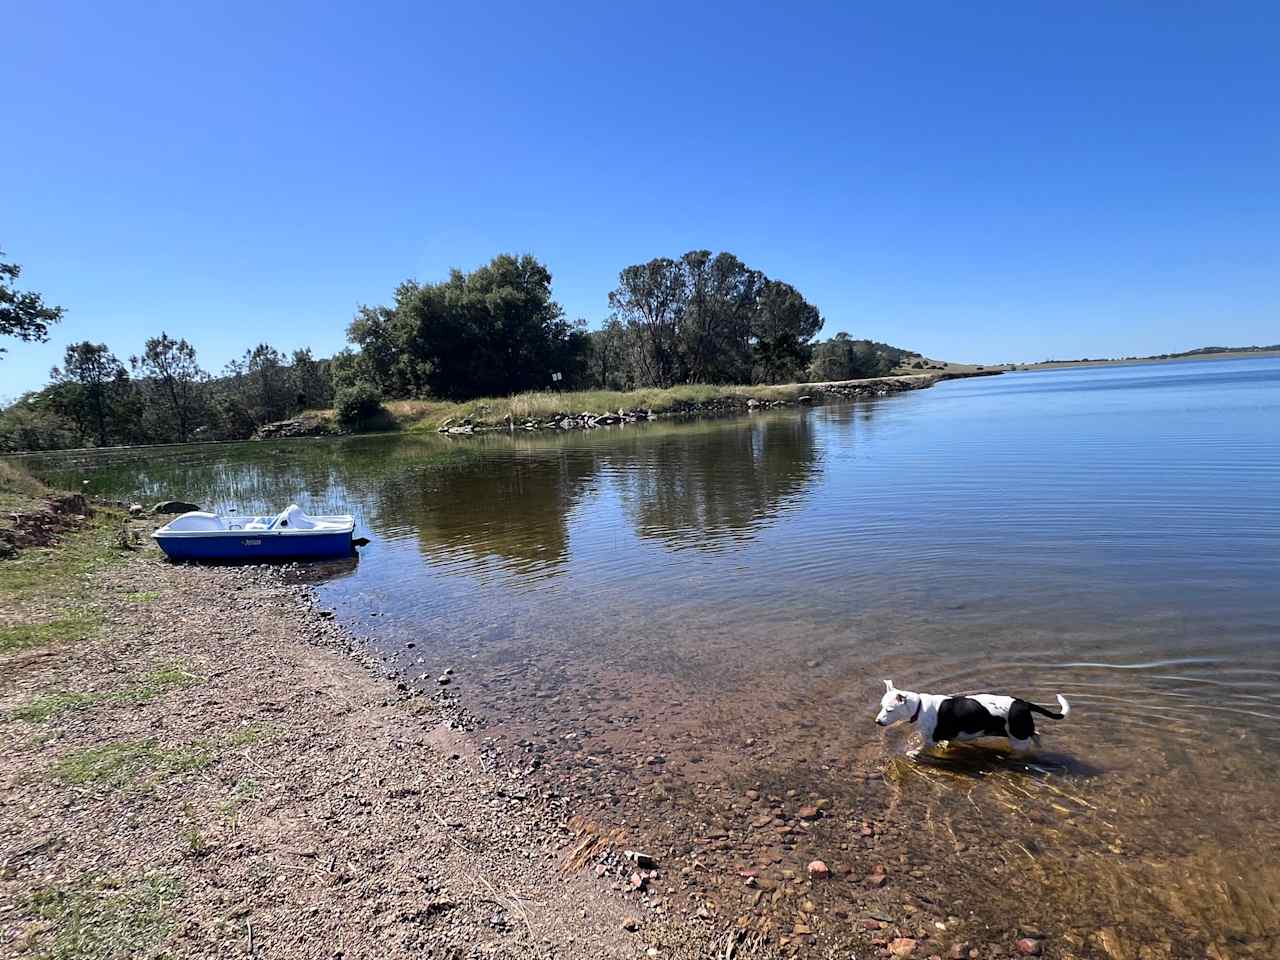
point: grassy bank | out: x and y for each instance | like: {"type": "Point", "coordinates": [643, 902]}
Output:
{"type": "Point", "coordinates": [18, 490]}
{"type": "Point", "coordinates": [541, 405]}
{"type": "Point", "coordinates": [430, 414]}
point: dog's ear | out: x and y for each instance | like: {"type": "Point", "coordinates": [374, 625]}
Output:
{"type": "Point", "coordinates": [888, 684]}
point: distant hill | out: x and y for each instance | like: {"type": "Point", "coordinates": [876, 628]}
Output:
{"type": "Point", "coordinates": [1274, 348]}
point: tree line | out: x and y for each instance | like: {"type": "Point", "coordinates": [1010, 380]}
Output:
{"type": "Point", "coordinates": [698, 318]}
{"type": "Point", "coordinates": [161, 395]}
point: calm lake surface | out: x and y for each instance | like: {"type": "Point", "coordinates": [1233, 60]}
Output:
{"type": "Point", "coordinates": [666, 615]}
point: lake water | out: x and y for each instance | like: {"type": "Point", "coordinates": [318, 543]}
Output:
{"type": "Point", "coordinates": [659, 618]}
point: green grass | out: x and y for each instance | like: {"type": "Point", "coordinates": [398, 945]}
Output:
{"type": "Point", "coordinates": [53, 705]}
{"type": "Point", "coordinates": [143, 596]}
{"type": "Point", "coordinates": [153, 685]}
{"type": "Point", "coordinates": [117, 764]}
{"type": "Point", "coordinates": [25, 636]}
{"type": "Point", "coordinates": [100, 920]}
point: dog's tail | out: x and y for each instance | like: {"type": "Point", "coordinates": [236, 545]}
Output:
{"type": "Point", "coordinates": [1044, 711]}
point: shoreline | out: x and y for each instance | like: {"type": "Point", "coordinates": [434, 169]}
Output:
{"type": "Point", "coordinates": [1143, 361]}
{"type": "Point", "coordinates": [727, 401]}
{"type": "Point", "coordinates": [218, 745]}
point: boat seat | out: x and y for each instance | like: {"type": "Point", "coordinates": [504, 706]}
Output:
{"type": "Point", "coordinates": [197, 521]}
{"type": "Point", "coordinates": [292, 518]}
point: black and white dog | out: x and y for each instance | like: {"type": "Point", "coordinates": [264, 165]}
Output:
{"type": "Point", "coordinates": [943, 719]}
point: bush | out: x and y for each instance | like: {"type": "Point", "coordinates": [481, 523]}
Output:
{"type": "Point", "coordinates": [357, 404]}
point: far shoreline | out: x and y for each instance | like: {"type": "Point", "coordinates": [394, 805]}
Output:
{"type": "Point", "coordinates": [1141, 361]}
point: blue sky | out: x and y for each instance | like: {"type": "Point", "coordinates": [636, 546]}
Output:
{"type": "Point", "coordinates": [1003, 182]}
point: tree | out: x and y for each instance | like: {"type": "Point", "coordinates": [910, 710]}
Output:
{"type": "Point", "coordinates": [94, 377]}
{"type": "Point", "coordinates": [23, 314]}
{"type": "Point", "coordinates": [494, 331]}
{"type": "Point", "coordinates": [171, 366]}
{"type": "Point", "coordinates": [843, 358]}
{"type": "Point", "coordinates": [781, 328]}
{"type": "Point", "coordinates": [649, 302]}
{"type": "Point", "coordinates": [709, 319]}
{"type": "Point", "coordinates": [309, 379]}
{"type": "Point", "coordinates": [264, 368]}
{"type": "Point", "coordinates": [716, 327]}
{"type": "Point", "coordinates": [606, 357]}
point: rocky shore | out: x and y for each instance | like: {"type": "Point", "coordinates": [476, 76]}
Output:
{"type": "Point", "coordinates": [727, 404]}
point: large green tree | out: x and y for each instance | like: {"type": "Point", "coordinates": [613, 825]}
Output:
{"type": "Point", "coordinates": [491, 332]}
{"type": "Point", "coordinates": [782, 327]}
{"type": "Point", "coordinates": [23, 314]}
{"type": "Point", "coordinates": [708, 318]}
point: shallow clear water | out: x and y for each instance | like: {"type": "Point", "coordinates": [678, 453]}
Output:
{"type": "Point", "coordinates": [668, 592]}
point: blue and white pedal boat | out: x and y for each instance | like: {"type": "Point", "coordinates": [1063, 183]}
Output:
{"type": "Point", "coordinates": [290, 535]}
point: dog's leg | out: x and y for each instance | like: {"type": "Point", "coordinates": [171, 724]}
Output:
{"type": "Point", "coordinates": [1021, 748]}
{"type": "Point", "coordinates": [926, 748]}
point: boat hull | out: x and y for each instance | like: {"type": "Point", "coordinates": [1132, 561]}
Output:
{"type": "Point", "coordinates": [256, 547]}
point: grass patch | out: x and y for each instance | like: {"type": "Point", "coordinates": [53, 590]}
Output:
{"type": "Point", "coordinates": [117, 764]}
{"type": "Point", "coordinates": [25, 636]}
{"type": "Point", "coordinates": [97, 921]}
{"type": "Point", "coordinates": [156, 683]}
{"type": "Point", "coordinates": [143, 596]}
{"type": "Point", "coordinates": [53, 705]}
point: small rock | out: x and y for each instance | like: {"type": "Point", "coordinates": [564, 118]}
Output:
{"type": "Point", "coordinates": [135, 509]}
{"type": "Point", "coordinates": [642, 860]}
{"type": "Point", "coordinates": [877, 880]}
{"type": "Point", "coordinates": [809, 812]}
{"type": "Point", "coordinates": [443, 680]}
{"type": "Point", "coordinates": [960, 951]}
{"type": "Point", "coordinates": [631, 924]}
{"type": "Point", "coordinates": [1028, 947]}
{"type": "Point", "coordinates": [819, 870]}
{"type": "Point", "coordinates": [902, 947]}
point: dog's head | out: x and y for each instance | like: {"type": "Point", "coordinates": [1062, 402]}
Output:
{"type": "Point", "coordinates": [896, 705]}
